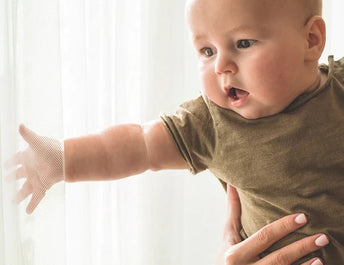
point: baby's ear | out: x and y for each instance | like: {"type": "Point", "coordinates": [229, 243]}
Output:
{"type": "Point", "coordinates": [315, 31]}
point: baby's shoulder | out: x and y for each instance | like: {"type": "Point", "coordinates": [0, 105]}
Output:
{"type": "Point", "coordinates": [196, 108]}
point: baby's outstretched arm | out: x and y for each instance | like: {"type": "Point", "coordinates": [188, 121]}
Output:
{"type": "Point", "coordinates": [121, 151]}
{"type": "Point", "coordinates": [115, 153]}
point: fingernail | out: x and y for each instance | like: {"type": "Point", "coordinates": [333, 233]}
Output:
{"type": "Point", "coordinates": [301, 219]}
{"type": "Point", "coordinates": [317, 262]}
{"type": "Point", "coordinates": [321, 241]}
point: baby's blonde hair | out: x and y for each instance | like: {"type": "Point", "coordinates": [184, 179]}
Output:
{"type": "Point", "coordinates": [313, 7]}
{"type": "Point", "coordinates": [302, 9]}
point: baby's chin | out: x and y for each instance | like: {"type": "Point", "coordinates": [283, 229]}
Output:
{"type": "Point", "coordinates": [251, 113]}
{"type": "Point", "coordinates": [253, 116]}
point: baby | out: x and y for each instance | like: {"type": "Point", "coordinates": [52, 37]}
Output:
{"type": "Point", "coordinates": [270, 121]}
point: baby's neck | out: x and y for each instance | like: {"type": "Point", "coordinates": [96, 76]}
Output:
{"type": "Point", "coordinates": [320, 80]}
{"type": "Point", "coordinates": [323, 78]}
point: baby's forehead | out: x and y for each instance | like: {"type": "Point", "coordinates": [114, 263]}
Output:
{"type": "Point", "coordinates": [294, 11]}
{"type": "Point", "coordinates": [301, 7]}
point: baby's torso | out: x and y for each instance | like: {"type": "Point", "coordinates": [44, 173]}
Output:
{"type": "Point", "coordinates": [288, 164]}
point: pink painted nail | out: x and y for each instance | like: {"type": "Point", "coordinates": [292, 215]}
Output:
{"type": "Point", "coordinates": [321, 241]}
{"type": "Point", "coordinates": [301, 219]}
{"type": "Point", "coordinates": [317, 262]}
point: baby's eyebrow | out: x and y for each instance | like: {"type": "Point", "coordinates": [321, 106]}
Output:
{"type": "Point", "coordinates": [196, 37]}
{"type": "Point", "coordinates": [240, 28]}
{"type": "Point", "coordinates": [248, 29]}
{"type": "Point", "coordinates": [243, 28]}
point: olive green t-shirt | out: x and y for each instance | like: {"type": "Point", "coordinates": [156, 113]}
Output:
{"type": "Point", "coordinates": [286, 163]}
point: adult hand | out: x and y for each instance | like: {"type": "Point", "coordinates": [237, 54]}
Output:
{"type": "Point", "coordinates": [41, 164]}
{"type": "Point", "coordinates": [234, 251]}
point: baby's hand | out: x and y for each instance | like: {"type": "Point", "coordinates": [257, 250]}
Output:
{"type": "Point", "coordinates": [41, 163]}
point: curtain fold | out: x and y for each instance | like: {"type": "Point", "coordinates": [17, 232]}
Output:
{"type": "Point", "coordinates": [69, 68]}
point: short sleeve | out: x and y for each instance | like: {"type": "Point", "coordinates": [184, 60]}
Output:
{"type": "Point", "coordinates": [193, 132]}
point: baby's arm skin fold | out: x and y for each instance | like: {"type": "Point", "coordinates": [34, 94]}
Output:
{"type": "Point", "coordinates": [121, 151]}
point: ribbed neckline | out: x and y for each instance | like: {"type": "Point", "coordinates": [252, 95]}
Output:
{"type": "Point", "coordinates": [303, 98]}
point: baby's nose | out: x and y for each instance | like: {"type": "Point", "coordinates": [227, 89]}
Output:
{"type": "Point", "coordinates": [224, 64]}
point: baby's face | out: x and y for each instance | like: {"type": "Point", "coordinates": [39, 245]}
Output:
{"type": "Point", "coordinates": [251, 54]}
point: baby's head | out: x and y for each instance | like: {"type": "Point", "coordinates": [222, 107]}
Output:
{"type": "Point", "coordinates": [257, 56]}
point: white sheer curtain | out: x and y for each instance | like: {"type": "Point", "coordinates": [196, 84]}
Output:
{"type": "Point", "coordinates": [30, 93]}
{"type": "Point", "coordinates": [333, 15]}
{"type": "Point", "coordinates": [69, 68]}
{"type": "Point", "coordinates": [76, 67]}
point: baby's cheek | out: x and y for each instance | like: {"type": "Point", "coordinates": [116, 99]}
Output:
{"type": "Point", "coordinates": [209, 82]}
{"type": "Point", "coordinates": [267, 74]}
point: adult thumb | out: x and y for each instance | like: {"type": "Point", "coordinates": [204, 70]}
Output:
{"type": "Point", "coordinates": [233, 223]}
{"type": "Point", "coordinates": [233, 206]}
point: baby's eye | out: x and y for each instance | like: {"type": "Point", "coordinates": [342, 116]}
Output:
{"type": "Point", "coordinates": [244, 44]}
{"type": "Point", "coordinates": [208, 52]}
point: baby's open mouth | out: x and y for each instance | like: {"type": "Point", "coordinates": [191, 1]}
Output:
{"type": "Point", "coordinates": [236, 93]}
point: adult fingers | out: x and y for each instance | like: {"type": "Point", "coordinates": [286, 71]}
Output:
{"type": "Point", "coordinates": [293, 252]}
{"type": "Point", "coordinates": [315, 261]}
{"type": "Point", "coordinates": [234, 207]}
{"type": "Point", "coordinates": [37, 196]}
{"type": "Point", "coordinates": [271, 233]}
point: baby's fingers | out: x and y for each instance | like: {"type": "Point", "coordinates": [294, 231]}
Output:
{"type": "Point", "coordinates": [24, 192]}
{"type": "Point", "coordinates": [15, 160]}
{"type": "Point", "coordinates": [297, 250]}
{"type": "Point", "coordinates": [19, 173]}
{"type": "Point", "coordinates": [37, 196]}
{"type": "Point", "coordinates": [30, 137]}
